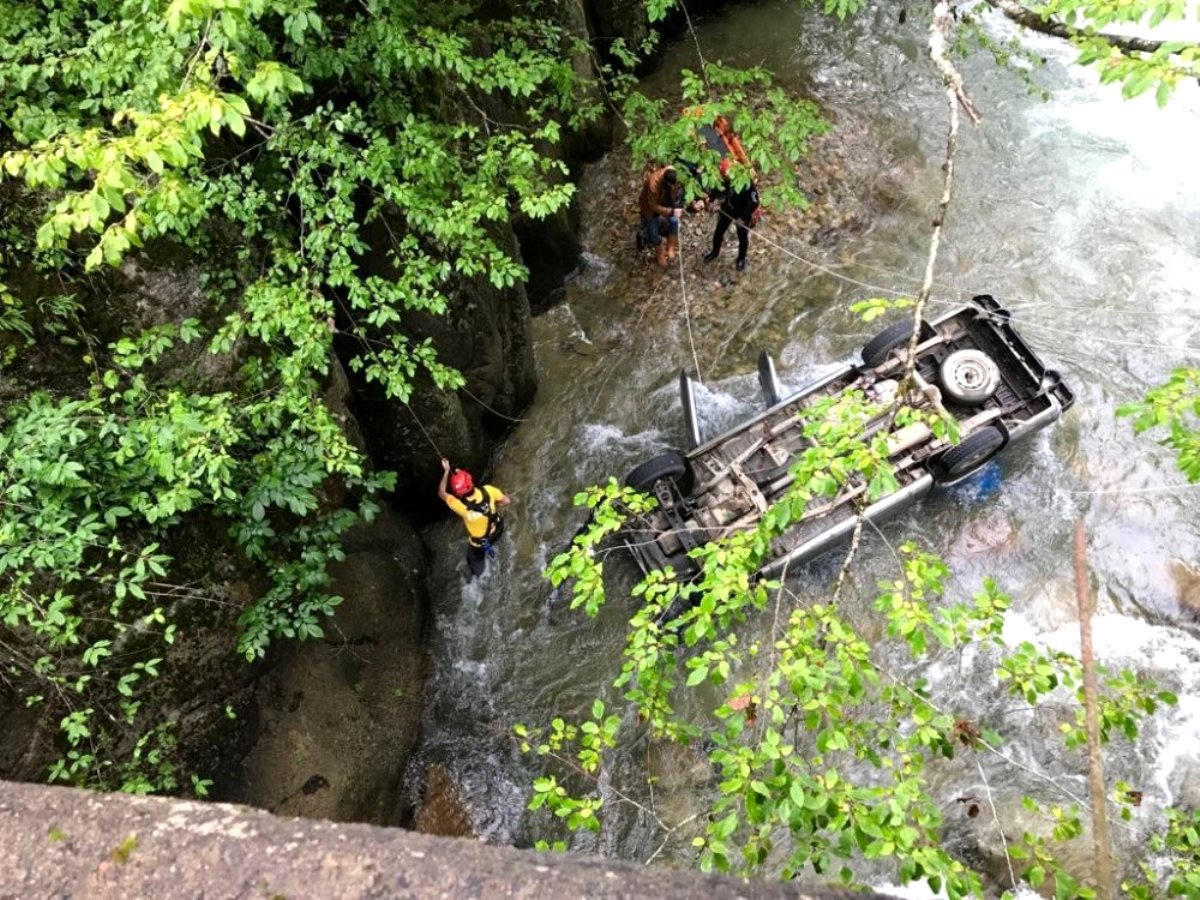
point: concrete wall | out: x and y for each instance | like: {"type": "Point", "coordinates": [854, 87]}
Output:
{"type": "Point", "coordinates": [65, 843]}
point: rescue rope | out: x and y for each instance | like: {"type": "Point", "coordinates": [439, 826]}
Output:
{"type": "Point", "coordinates": [428, 436]}
{"type": "Point", "coordinates": [687, 314]}
{"type": "Point", "coordinates": [1025, 323]}
{"type": "Point", "coordinates": [492, 410]}
{"type": "Point", "coordinates": [699, 50]}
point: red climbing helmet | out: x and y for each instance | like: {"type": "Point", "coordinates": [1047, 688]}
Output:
{"type": "Point", "coordinates": [461, 483]}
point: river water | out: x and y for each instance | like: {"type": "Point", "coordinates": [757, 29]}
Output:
{"type": "Point", "coordinates": [1082, 215]}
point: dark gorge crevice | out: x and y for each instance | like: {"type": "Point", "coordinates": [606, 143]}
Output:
{"type": "Point", "coordinates": [321, 728]}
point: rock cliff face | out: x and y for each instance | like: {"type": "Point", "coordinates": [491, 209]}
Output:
{"type": "Point", "coordinates": [336, 719]}
{"type": "Point", "coordinates": [612, 19]}
{"type": "Point", "coordinates": [486, 336]}
{"type": "Point", "coordinates": [323, 729]}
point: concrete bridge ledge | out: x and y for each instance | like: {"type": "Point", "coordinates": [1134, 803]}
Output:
{"type": "Point", "coordinates": [66, 843]}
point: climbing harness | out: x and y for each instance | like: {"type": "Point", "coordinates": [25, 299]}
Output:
{"type": "Point", "coordinates": [495, 526]}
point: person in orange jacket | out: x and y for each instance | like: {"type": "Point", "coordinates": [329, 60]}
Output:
{"type": "Point", "coordinates": [661, 206]}
{"type": "Point", "coordinates": [478, 509]}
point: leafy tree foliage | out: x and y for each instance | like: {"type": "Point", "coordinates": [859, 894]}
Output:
{"type": "Point", "coordinates": [1174, 408]}
{"type": "Point", "coordinates": [267, 138]}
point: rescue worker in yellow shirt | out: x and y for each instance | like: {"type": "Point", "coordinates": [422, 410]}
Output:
{"type": "Point", "coordinates": [477, 507]}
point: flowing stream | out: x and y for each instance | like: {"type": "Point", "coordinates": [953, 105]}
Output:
{"type": "Point", "coordinates": [1082, 215]}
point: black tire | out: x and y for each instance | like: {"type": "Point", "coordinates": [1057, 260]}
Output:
{"type": "Point", "coordinates": [969, 455]}
{"type": "Point", "coordinates": [671, 466]}
{"type": "Point", "coordinates": [876, 350]}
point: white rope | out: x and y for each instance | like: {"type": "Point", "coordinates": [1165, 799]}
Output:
{"type": "Point", "coordinates": [1145, 490]}
{"type": "Point", "coordinates": [687, 314]}
{"type": "Point", "coordinates": [1025, 323]}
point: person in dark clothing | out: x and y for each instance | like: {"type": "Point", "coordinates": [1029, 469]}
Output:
{"type": "Point", "coordinates": [737, 207]}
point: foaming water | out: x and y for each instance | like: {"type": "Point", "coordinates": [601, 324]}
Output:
{"type": "Point", "coordinates": [1162, 762]}
{"type": "Point", "coordinates": [721, 407]}
{"type": "Point", "coordinates": [1079, 215]}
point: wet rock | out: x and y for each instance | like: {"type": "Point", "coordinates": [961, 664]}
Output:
{"type": "Point", "coordinates": [442, 811]}
{"type": "Point", "coordinates": [28, 739]}
{"type": "Point", "coordinates": [550, 248]}
{"type": "Point", "coordinates": [890, 192]}
{"type": "Point", "coordinates": [1052, 606]}
{"type": "Point", "coordinates": [618, 18]}
{"type": "Point", "coordinates": [1185, 780]}
{"type": "Point", "coordinates": [1187, 583]}
{"type": "Point", "coordinates": [825, 236]}
{"type": "Point", "coordinates": [994, 533]}
{"type": "Point", "coordinates": [338, 718]}
{"type": "Point", "coordinates": [978, 838]}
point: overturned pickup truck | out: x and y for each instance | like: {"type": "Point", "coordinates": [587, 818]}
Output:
{"type": "Point", "coordinates": [972, 361]}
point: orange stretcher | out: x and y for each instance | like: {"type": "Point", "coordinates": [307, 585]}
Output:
{"type": "Point", "coordinates": [720, 136]}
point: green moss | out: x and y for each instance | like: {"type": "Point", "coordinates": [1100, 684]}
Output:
{"type": "Point", "coordinates": [123, 850]}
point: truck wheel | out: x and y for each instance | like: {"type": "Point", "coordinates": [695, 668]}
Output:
{"type": "Point", "coordinates": [973, 451]}
{"type": "Point", "coordinates": [671, 466]}
{"type": "Point", "coordinates": [876, 350]}
{"type": "Point", "coordinates": [969, 376]}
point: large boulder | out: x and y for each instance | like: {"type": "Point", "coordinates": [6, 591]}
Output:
{"type": "Point", "coordinates": [336, 719]}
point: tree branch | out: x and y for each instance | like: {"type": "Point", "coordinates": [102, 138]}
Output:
{"type": "Point", "coordinates": [939, 37]}
{"type": "Point", "coordinates": [956, 96]}
{"type": "Point", "coordinates": [1102, 846]}
{"type": "Point", "coordinates": [1034, 21]}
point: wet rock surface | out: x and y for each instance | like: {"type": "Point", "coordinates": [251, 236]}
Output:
{"type": "Point", "coordinates": [338, 718]}
{"type": "Point", "coordinates": [442, 811]}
